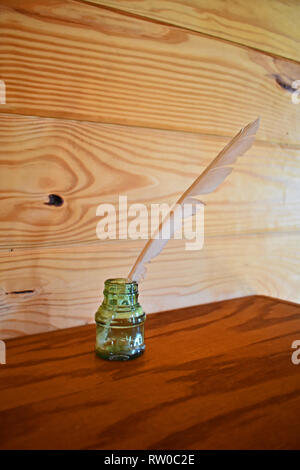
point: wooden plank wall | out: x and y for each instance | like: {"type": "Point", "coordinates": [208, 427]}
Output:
{"type": "Point", "coordinates": [266, 25]}
{"type": "Point", "coordinates": [135, 97]}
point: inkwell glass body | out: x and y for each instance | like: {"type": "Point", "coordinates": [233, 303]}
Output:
{"type": "Point", "coordinates": [120, 322]}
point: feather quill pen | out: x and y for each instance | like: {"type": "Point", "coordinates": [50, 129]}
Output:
{"type": "Point", "coordinates": [207, 182]}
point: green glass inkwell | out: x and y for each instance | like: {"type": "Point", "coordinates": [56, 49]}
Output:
{"type": "Point", "coordinates": [120, 322]}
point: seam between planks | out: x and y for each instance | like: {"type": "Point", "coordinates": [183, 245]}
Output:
{"type": "Point", "coordinates": [140, 16]}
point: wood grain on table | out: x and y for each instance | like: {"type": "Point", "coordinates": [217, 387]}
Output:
{"type": "Point", "coordinates": [214, 376]}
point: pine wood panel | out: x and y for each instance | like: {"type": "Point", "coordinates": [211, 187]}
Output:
{"type": "Point", "coordinates": [267, 25]}
{"type": "Point", "coordinates": [90, 163]}
{"type": "Point", "coordinates": [76, 60]}
{"type": "Point", "coordinates": [80, 61]}
{"type": "Point", "coordinates": [213, 376]}
{"type": "Point", "coordinates": [42, 290]}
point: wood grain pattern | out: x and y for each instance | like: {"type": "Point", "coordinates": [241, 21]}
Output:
{"type": "Point", "coordinates": [213, 376]}
{"type": "Point", "coordinates": [79, 61]}
{"type": "Point", "coordinates": [42, 290]}
{"type": "Point", "coordinates": [266, 25]}
{"type": "Point", "coordinates": [90, 163]}
{"type": "Point", "coordinates": [75, 60]}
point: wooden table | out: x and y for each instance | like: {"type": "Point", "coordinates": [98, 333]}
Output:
{"type": "Point", "coordinates": [213, 376]}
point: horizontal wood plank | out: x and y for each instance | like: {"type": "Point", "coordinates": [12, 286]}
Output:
{"type": "Point", "coordinates": [267, 25]}
{"type": "Point", "coordinates": [216, 376]}
{"type": "Point", "coordinates": [43, 290]}
{"type": "Point", "coordinates": [75, 60]}
{"type": "Point", "coordinates": [86, 164]}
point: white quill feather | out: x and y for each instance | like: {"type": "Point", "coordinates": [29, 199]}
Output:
{"type": "Point", "coordinates": [207, 182]}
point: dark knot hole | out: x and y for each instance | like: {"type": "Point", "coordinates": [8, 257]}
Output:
{"type": "Point", "coordinates": [54, 200]}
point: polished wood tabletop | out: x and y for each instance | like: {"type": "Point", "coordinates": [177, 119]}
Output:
{"type": "Point", "coordinates": [215, 376]}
